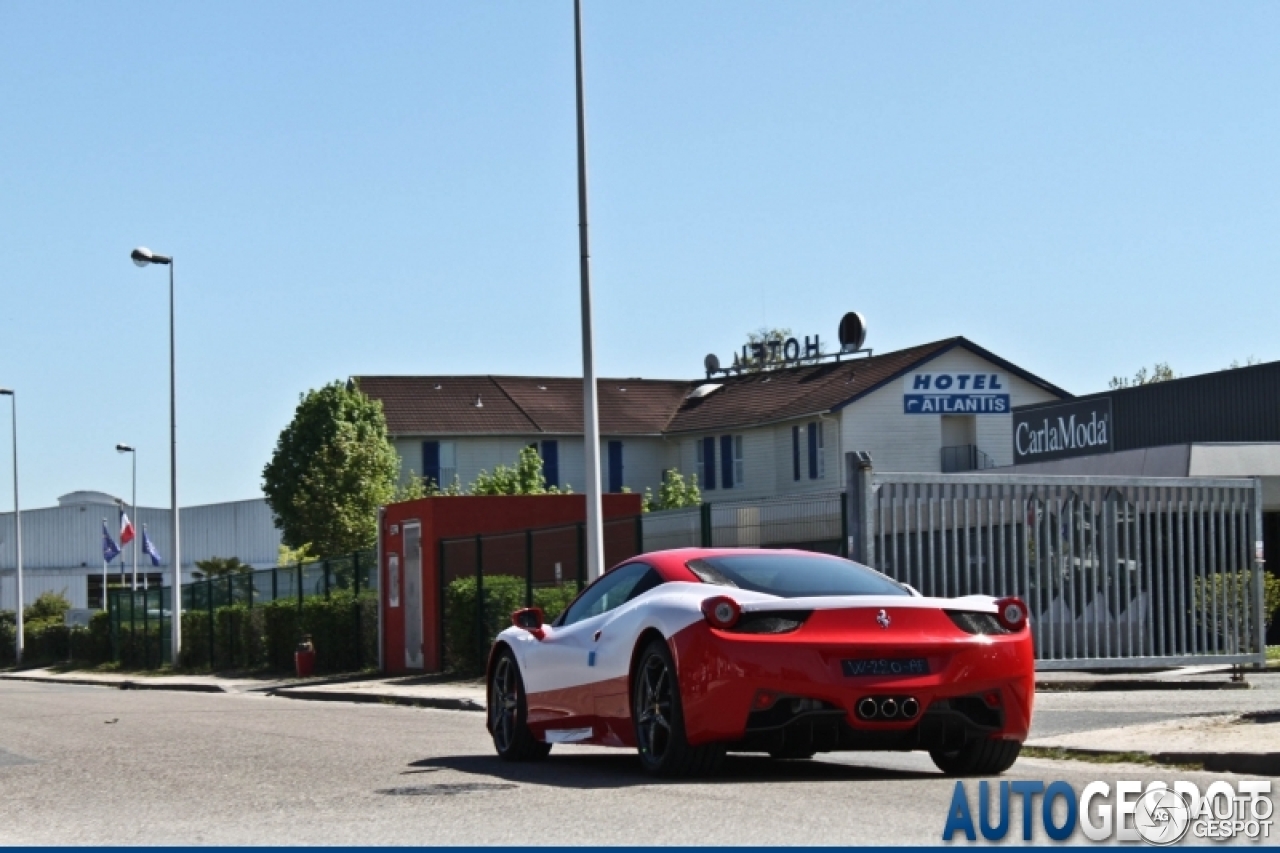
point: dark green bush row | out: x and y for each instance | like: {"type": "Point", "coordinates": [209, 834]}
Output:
{"type": "Point", "coordinates": [48, 641]}
{"type": "Point", "coordinates": [343, 628]}
{"type": "Point", "coordinates": [466, 645]}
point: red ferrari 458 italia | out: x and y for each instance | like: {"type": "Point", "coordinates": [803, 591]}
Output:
{"type": "Point", "coordinates": [687, 654]}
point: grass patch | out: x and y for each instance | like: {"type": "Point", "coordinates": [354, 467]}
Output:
{"type": "Point", "coordinates": [1273, 653]}
{"type": "Point", "coordinates": [1058, 753]}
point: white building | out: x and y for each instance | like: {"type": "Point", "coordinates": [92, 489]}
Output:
{"type": "Point", "coordinates": [941, 406]}
{"type": "Point", "coordinates": [62, 545]}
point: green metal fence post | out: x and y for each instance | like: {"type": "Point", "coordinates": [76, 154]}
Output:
{"type": "Point", "coordinates": [440, 607]}
{"type": "Point", "coordinates": [639, 534]}
{"type": "Point", "coordinates": [528, 568]}
{"type": "Point", "coordinates": [480, 596]}
{"type": "Point", "coordinates": [208, 605]}
{"type": "Point", "coordinates": [582, 556]}
{"type": "Point", "coordinates": [299, 569]}
{"type": "Point", "coordinates": [231, 623]}
{"type": "Point", "coordinates": [146, 630]}
{"type": "Point", "coordinates": [275, 584]}
{"type": "Point", "coordinates": [355, 590]}
{"type": "Point", "coordinates": [326, 580]}
{"type": "Point", "coordinates": [704, 515]}
{"type": "Point", "coordinates": [844, 524]}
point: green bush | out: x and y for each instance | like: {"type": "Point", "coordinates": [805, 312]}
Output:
{"type": "Point", "coordinates": [465, 650]}
{"type": "Point", "coordinates": [1233, 592]}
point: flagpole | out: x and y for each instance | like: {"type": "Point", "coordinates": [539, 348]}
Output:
{"type": "Point", "coordinates": [104, 570]}
{"type": "Point", "coordinates": [134, 541]}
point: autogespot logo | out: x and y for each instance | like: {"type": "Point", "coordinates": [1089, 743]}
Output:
{"type": "Point", "coordinates": [1159, 814]}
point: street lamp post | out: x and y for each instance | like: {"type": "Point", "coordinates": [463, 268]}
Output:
{"type": "Point", "coordinates": [142, 257]}
{"type": "Point", "coordinates": [591, 417]}
{"type": "Point", "coordinates": [133, 508]}
{"type": "Point", "coordinates": [17, 520]}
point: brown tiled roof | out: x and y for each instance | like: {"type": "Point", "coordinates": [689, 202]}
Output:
{"type": "Point", "coordinates": [521, 405]}
{"type": "Point", "coordinates": [777, 395]}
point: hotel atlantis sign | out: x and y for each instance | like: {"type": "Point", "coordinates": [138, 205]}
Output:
{"type": "Point", "coordinates": [1059, 432]}
{"type": "Point", "coordinates": [956, 394]}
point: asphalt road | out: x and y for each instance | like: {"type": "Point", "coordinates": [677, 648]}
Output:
{"type": "Point", "coordinates": [84, 765]}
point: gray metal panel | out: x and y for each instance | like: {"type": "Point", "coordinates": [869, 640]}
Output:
{"type": "Point", "coordinates": [1228, 405]}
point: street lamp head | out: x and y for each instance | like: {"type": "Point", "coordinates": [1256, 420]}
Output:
{"type": "Point", "coordinates": [6, 392]}
{"type": "Point", "coordinates": [143, 256]}
{"type": "Point", "coordinates": [123, 448]}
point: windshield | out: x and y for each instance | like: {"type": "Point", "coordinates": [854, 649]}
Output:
{"type": "Point", "coordinates": [794, 575]}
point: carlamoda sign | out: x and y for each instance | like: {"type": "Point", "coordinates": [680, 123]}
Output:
{"type": "Point", "coordinates": [1062, 431]}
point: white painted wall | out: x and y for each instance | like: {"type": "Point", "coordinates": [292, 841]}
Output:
{"type": "Point", "coordinates": [902, 442]}
{"type": "Point", "coordinates": [644, 458]}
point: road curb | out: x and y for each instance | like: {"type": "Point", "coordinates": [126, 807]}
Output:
{"type": "Point", "coordinates": [438, 702]}
{"type": "Point", "coordinates": [125, 684]}
{"type": "Point", "coordinates": [1247, 763]}
{"type": "Point", "coordinates": [1128, 685]}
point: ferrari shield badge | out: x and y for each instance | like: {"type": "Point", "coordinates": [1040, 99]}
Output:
{"type": "Point", "coordinates": [882, 619]}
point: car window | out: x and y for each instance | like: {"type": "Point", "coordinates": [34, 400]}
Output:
{"type": "Point", "coordinates": [794, 575]}
{"type": "Point", "coordinates": [620, 585]}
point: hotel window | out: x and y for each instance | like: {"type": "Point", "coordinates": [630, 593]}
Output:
{"type": "Point", "coordinates": [551, 462]}
{"type": "Point", "coordinates": [817, 459]}
{"type": "Point", "coordinates": [795, 453]}
{"type": "Point", "coordinates": [731, 467]}
{"type": "Point", "coordinates": [439, 462]}
{"type": "Point", "coordinates": [707, 462]}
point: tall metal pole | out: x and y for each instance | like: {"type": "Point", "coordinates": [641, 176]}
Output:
{"type": "Point", "coordinates": [591, 416]}
{"type": "Point", "coordinates": [176, 606]}
{"type": "Point", "coordinates": [17, 522]}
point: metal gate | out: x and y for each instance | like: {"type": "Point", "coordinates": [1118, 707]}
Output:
{"type": "Point", "coordinates": [1117, 571]}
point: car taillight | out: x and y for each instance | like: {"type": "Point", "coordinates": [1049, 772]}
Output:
{"type": "Point", "coordinates": [721, 611]}
{"type": "Point", "coordinates": [1012, 613]}
{"type": "Point", "coordinates": [972, 622]}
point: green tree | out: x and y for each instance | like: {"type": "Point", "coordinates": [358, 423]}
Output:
{"type": "Point", "coordinates": [216, 567]}
{"type": "Point", "coordinates": [286, 556]}
{"type": "Point", "coordinates": [48, 607]}
{"type": "Point", "coordinates": [1161, 372]}
{"type": "Point", "coordinates": [675, 492]}
{"type": "Point", "coordinates": [332, 468]}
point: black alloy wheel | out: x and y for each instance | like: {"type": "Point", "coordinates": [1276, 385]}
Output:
{"type": "Point", "coordinates": [509, 713]}
{"type": "Point", "coordinates": [659, 720]}
{"type": "Point", "coordinates": [978, 757]}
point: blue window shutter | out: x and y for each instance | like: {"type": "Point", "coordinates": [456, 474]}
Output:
{"type": "Point", "coordinates": [813, 451]}
{"type": "Point", "coordinates": [615, 466]}
{"type": "Point", "coordinates": [431, 461]}
{"type": "Point", "coordinates": [726, 461]}
{"type": "Point", "coordinates": [551, 462]}
{"type": "Point", "coordinates": [795, 453]}
{"type": "Point", "coordinates": [709, 462]}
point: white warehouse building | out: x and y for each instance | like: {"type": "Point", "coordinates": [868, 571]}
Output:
{"type": "Point", "coordinates": [62, 545]}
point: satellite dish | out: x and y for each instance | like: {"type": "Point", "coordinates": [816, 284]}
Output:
{"type": "Point", "coordinates": [853, 332]}
{"type": "Point", "coordinates": [711, 363]}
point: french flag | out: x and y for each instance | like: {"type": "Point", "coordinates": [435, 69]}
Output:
{"type": "Point", "coordinates": [126, 529]}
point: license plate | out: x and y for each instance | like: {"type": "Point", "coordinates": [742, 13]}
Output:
{"type": "Point", "coordinates": [885, 666]}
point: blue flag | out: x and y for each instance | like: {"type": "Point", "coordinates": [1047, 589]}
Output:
{"type": "Point", "coordinates": [109, 549]}
{"type": "Point", "coordinates": [148, 547]}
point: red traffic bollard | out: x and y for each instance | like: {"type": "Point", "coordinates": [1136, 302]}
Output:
{"type": "Point", "coordinates": [304, 659]}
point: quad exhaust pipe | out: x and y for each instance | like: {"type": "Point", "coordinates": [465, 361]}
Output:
{"type": "Point", "coordinates": [888, 708]}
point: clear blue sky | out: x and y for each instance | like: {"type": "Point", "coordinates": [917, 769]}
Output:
{"type": "Point", "coordinates": [348, 188]}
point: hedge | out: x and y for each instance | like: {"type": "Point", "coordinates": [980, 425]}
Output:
{"type": "Point", "coordinates": [465, 651]}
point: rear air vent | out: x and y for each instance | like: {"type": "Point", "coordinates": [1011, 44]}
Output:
{"type": "Point", "coordinates": [976, 623]}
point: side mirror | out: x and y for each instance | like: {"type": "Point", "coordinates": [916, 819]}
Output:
{"type": "Point", "coordinates": [530, 619]}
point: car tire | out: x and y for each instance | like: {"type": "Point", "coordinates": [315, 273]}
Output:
{"type": "Point", "coordinates": [978, 757]}
{"type": "Point", "coordinates": [508, 713]}
{"type": "Point", "coordinates": [659, 720]}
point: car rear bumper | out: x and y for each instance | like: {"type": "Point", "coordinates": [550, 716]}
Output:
{"type": "Point", "coordinates": [754, 690]}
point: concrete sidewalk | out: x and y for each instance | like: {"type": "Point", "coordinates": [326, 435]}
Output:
{"type": "Point", "coordinates": [1248, 743]}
